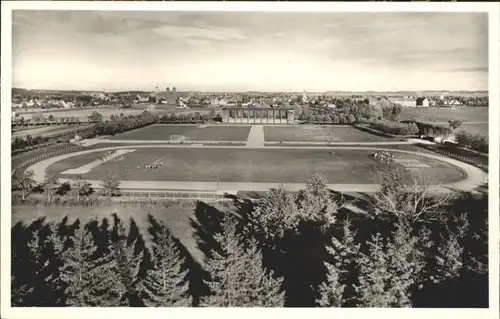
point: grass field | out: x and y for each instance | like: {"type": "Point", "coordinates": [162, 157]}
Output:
{"type": "Point", "coordinates": [434, 114]}
{"type": "Point", "coordinates": [177, 218]}
{"type": "Point", "coordinates": [48, 131]}
{"type": "Point", "coordinates": [191, 133]}
{"type": "Point", "coordinates": [347, 166]}
{"type": "Point", "coordinates": [482, 129]}
{"type": "Point", "coordinates": [318, 133]}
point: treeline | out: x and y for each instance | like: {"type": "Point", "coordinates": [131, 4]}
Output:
{"type": "Point", "coordinates": [473, 141]}
{"type": "Point", "coordinates": [292, 249]}
{"type": "Point", "coordinates": [471, 101]}
{"type": "Point", "coordinates": [328, 119]}
{"type": "Point", "coordinates": [121, 123]}
{"type": "Point", "coordinates": [392, 127]}
{"type": "Point", "coordinates": [195, 117]}
{"type": "Point", "coordinates": [350, 112]}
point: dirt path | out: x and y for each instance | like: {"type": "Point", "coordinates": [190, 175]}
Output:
{"type": "Point", "coordinates": [475, 176]}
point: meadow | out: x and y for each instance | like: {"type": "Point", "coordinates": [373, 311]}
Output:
{"type": "Point", "coordinates": [443, 115]}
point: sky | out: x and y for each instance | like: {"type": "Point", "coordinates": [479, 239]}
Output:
{"type": "Point", "coordinates": [249, 51]}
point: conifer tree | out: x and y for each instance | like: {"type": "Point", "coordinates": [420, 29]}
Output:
{"type": "Point", "coordinates": [166, 284]}
{"type": "Point", "coordinates": [406, 263]}
{"type": "Point", "coordinates": [449, 258]}
{"type": "Point", "coordinates": [261, 287]}
{"type": "Point", "coordinates": [316, 203]}
{"type": "Point", "coordinates": [88, 278]}
{"type": "Point", "coordinates": [373, 290]}
{"type": "Point", "coordinates": [274, 217]}
{"type": "Point", "coordinates": [345, 254]}
{"type": "Point", "coordinates": [127, 266]}
{"type": "Point", "coordinates": [35, 287]}
{"type": "Point", "coordinates": [231, 283]}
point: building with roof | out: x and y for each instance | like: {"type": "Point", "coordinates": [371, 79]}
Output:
{"type": "Point", "coordinates": [258, 115]}
{"type": "Point", "coordinates": [166, 97]}
{"type": "Point", "coordinates": [422, 102]}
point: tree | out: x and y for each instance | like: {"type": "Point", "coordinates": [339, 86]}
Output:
{"type": "Point", "coordinates": [51, 118]}
{"type": "Point", "coordinates": [82, 187]}
{"type": "Point", "coordinates": [406, 263]}
{"type": "Point", "coordinates": [316, 202]}
{"type": "Point", "coordinates": [454, 124]}
{"type": "Point", "coordinates": [396, 110]}
{"type": "Point", "coordinates": [165, 284]}
{"type": "Point", "coordinates": [449, 258]}
{"type": "Point", "coordinates": [23, 181]}
{"type": "Point", "coordinates": [237, 277]}
{"type": "Point", "coordinates": [87, 278]}
{"type": "Point", "coordinates": [50, 183]}
{"type": "Point", "coordinates": [335, 119]}
{"type": "Point", "coordinates": [127, 266]}
{"type": "Point", "coordinates": [373, 274]}
{"type": "Point", "coordinates": [38, 284]}
{"type": "Point", "coordinates": [351, 119]}
{"type": "Point", "coordinates": [397, 199]}
{"type": "Point", "coordinates": [111, 185]}
{"type": "Point", "coordinates": [335, 292]}
{"type": "Point", "coordinates": [275, 216]}
{"type": "Point", "coordinates": [96, 117]}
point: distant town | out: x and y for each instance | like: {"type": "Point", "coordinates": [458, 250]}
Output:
{"type": "Point", "coordinates": [51, 99]}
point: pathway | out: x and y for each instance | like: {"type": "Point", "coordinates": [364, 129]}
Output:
{"type": "Point", "coordinates": [256, 137]}
{"type": "Point", "coordinates": [475, 176]}
{"type": "Point", "coordinates": [84, 169]}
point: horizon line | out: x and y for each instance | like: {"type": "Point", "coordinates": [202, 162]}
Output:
{"type": "Point", "coordinates": [261, 91]}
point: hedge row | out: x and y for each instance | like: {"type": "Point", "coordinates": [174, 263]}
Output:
{"type": "Point", "coordinates": [463, 155]}
{"type": "Point", "coordinates": [393, 128]}
{"type": "Point", "coordinates": [431, 130]}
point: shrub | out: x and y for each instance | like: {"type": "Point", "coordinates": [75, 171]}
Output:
{"type": "Point", "coordinates": [473, 141]}
{"type": "Point", "coordinates": [351, 119]}
{"type": "Point", "coordinates": [335, 119]}
{"type": "Point", "coordinates": [394, 128]}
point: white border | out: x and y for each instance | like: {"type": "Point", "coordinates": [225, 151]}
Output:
{"type": "Point", "coordinates": [494, 116]}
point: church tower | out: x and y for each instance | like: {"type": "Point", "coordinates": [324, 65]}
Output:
{"type": "Point", "coordinates": [174, 94]}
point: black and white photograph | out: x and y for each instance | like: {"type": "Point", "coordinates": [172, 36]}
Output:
{"type": "Point", "coordinates": [248, 158]}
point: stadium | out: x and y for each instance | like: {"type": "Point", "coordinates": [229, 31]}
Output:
{"type": "Point", "coordinates": [229, 159]}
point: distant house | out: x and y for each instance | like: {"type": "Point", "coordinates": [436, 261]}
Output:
{"type": "Point", "coordinates": [422, 102]}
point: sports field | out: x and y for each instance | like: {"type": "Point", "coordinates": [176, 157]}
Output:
{"type": "Point", "coordinates": [191, 133]}
{"type": "Point", "coordinates": [343, 166]}
{"type": "Point", "coordinates": [435, 114]}
{"type": "Point", "coordinates": [318, 133]}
